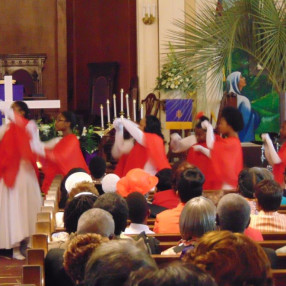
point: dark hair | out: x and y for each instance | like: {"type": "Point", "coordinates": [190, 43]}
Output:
{"type": "Point", "coordinates": [202, 118]}
{"type": "Point", "coordinates": [248, 178]}
{"type": "Point", "coordinates": [117, 206]}
{"type": "Point", "coordinates": [64, 192]}
{"type": "Point", "coordinates": [75, 208]}
{"type": "Point", "coordinates": [269, 195]}
{"type": "Point", "coordinates": [75, 122]}
{"type": "Point", "coordinates": [233, 117]}
{"type": "Point", "coordinates": [190, 184]}
{"type": "Point", "coordinates": [165, 179]}
{"type": "Point", "coordinates": [24, 107]}
{"type": "Point", "coordinates": [138, 207]}
{"type": "Point", "coordinates": [97, 167]}
{"type": "Point", "coordinates": [112, 263]}
{"type": "Point", "coordinates": [153, 125]}
{"type": "Point", "coordinates": [173, 274]}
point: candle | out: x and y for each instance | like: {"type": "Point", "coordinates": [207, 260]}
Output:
{"type": "Point", "coordinates": [108, 111]}
{"type": "Point", "coordinates": [148, 10]}
{"type": "Point", "coordinates": [114, 105]}
{"type": "Point", "coordinates": [141, 111]}
{"type": "Point", "coordinates": [101, 115]}
{"type": "Point", "coordinates": [121, 100]}
{"type": "Point", "coordinates": [144, 11]}
{"type": "Point", "coordinates": [154, 10]}
{"type": "Point", "coordinates": [134, 110]}
{"type": "Point", "coordinates": [127, 105]}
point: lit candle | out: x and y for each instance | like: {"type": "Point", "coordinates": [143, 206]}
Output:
{"type": "Point", "coordinates": [114, 105]}
{"type": "Point", "coordinates": [121, 100]}
{"type": "Point", "coordinates": [101, 114]}
{"type": "Point", "coordinates": [144, 11]}
{"type": "Point", "coordinates": [127, 105]}
{"type": "Point", "coordinates": [134, 110]}
{"type": "Point", "coordinates": [108, 111]}
{"type": "Point", "coordinates": [154, 10]}
{"type": "Point", "coordinates": [148, 10]}
{"type": "Point", "coordinates": [141, 111]}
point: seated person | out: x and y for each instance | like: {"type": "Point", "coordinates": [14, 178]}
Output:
{"type": "Point", "coordinates": [138, 214]}
{"type": "Point", "coordinates": [112, 263]}
{"type": "Point", "coordinates": [269, 195]}
{"type": "Point", "coordinates": [165, 196]}
{"type": "Point", "coordinates": [231, 259]}
{"type": "Point", "coordinates": [198, 217]}
{"type": "Point", "coordinates": [97, 168]}
{"type": "Point", "coordinates": [92, 221]}
{"type": "Point", "coordinates": [189, 186]}
{"type": "Point", "coordinates": [72, 212]}
{"type": "Point", "coordinates": [117, 207]}
{"type": "Point", "coordinates": [109, 183]}
{"type": "Point", "coordinates": [78, 252]}
{"type": "Point", "coordinates": [172, 274]}
{"type": "Point", "coordinates": [74, 176]}
{"type": "Point", "coordinates": [247, 179]}
{"type": "Point", "coordinates": [233, 214]}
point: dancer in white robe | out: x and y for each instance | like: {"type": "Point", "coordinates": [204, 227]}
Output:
{"type": "Point", "coordinates": [20, 194]}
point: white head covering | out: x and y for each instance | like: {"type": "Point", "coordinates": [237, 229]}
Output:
{"type": "Point", "coordinates": [76, 178]}
{"type": "Point", "coordinates": [109, 182]}
{"type": "Point", "coordinates": [232, 82]}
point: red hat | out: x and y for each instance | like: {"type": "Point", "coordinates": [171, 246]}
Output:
{"type": "Point", "coordinates": [136, 180]}
{"type": "Point", "coordinates": [199, 115]}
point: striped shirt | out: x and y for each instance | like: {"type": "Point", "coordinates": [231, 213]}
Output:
{"type": "Point", "coordinates": [268, 221]}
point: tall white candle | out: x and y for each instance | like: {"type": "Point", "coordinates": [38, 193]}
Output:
{"type": "Point", "coordinates": [121, 100]}
{"type": "Point", "coordinates": [141, 111]}
{"type": "Point", "coordinates": [127, 105]}
{"type": "Point", "coordinates": [134, 110]}
{"type": "Point", "coordinates": [114, 105]}
{"type": "Point", "coordinates": [108, 110]}
{"type": "Point", "coordinates": [148, 10]}
{"type": "Point", "coordinates": [101, 115]}
{"type": "Point", "coordinates": [154, 10]}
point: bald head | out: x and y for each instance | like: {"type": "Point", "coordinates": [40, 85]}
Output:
{"type": "Point", "coordinates": [233, 213]}
{"type": "Point", "coordinates": [96, 221]}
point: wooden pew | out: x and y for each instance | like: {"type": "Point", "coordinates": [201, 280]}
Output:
{"type": "Point", "coordinates": [274, 235]}
{"type": "Point", "coordinates": [163, 259]}
{"type": "Point", "coordinates": [32, 274]}
{"type": "Point", "coordinates": [279, 277]}
{"type": "Point", "coordinates": [40, 241]}
{"type": "Point", "coordinates": [163, 237]}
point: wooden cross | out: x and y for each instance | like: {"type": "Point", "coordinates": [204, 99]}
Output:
{"type": "Point", "coordinates": [32, 104]}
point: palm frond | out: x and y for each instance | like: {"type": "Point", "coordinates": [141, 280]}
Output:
{"type": "Point", "coordinates": [206, 40]}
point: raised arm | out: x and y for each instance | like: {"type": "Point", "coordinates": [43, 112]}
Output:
{"type": "Point", "coordinates": [210, 139]}
{"type": "Point", "coordinates": [133, 129]}
{"type": "Point", "coordinates": [120, 145]}
{"type": "Point", "coordinates": [179, 144]}
{"type": "Point", "coordinates": [270, 152]}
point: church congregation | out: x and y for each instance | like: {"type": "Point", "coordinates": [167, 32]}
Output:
{"type": "Point", "coordinates": [178, 178]}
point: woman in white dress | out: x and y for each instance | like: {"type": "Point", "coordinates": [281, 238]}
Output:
{"type": "Point", "coordinates": [20, 194]}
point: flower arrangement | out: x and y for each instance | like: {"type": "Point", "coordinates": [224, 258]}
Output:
{"type": "Point", "coordinates": [174, 75]}
{"type": "Point", "coordinates": [89, 139]}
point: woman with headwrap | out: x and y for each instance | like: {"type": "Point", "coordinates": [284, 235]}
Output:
{"type": "Point", "coordinates": [235, 83]}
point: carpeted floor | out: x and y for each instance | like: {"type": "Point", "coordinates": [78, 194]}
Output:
{"type": "Point", "coordinates": [10, 269]}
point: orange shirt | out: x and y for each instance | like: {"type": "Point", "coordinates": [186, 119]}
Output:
{"type": "Point", "coordinates": [168, 221]}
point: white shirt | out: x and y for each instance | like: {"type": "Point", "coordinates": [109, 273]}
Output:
{"type": "Point", "coordinates": [137, 228]}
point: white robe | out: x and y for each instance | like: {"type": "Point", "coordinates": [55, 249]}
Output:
{"type": "Point", "coordinates": [19, 205]}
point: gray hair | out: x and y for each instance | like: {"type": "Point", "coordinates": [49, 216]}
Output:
{"type": "Point", "coordinates": [198, 217]}
{"type": "Point", "coordinates": [112, 263]}
{"type": "Point", "coordinates": [233, 213]}
{"type": "Point", "coordinates": [96, 221]}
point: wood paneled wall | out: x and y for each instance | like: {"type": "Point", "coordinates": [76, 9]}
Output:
{"type": "Point", "coordinates": [99, 31]}
{"type": "Point", "coordinates": [38, 27]}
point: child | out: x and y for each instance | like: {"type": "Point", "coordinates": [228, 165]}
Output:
{"type": "Point", "coordinates": [198, 154]}
{"type": "Point", "coordinates": [226, 152]}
